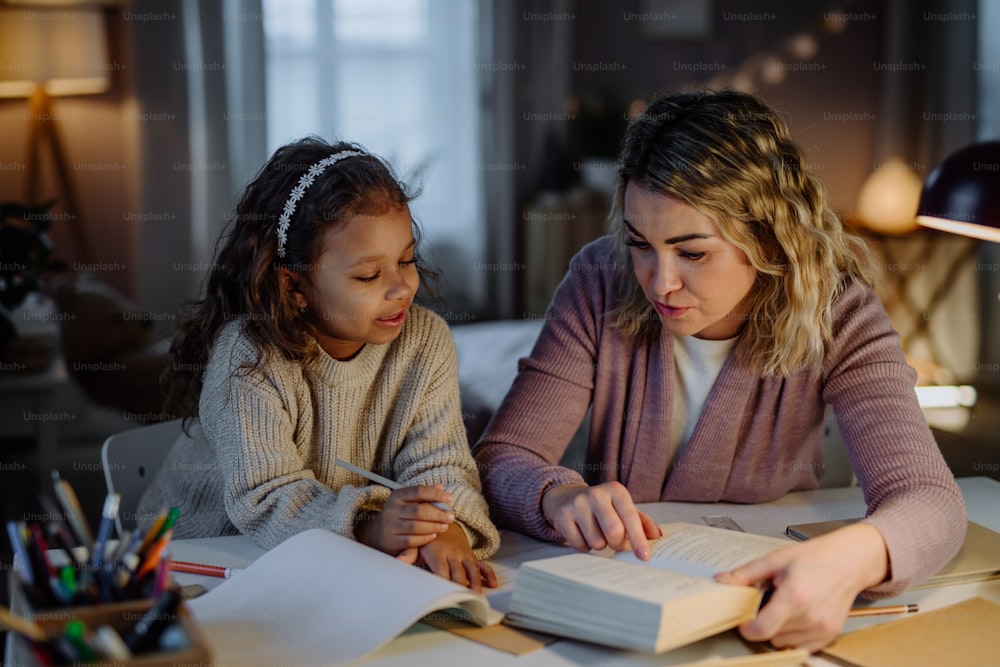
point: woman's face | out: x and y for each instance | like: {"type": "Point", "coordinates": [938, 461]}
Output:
{"type": "Point", "coordinates": [698, 282]}
{"type": "Point", "coordinates": [363, 282]}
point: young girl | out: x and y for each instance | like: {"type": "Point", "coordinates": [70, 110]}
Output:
{"type": "Point", "coordinates": [307, 348]}
{"type": "Point", "coordinates": [708, 332]}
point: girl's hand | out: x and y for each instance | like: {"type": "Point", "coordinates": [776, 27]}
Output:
{"type": "Point", "coordinates": [815, 584]}
{"type": "Point", "coordinates": [595, 517]}
{"type": "Point", "coordinates": [408, 520]}
{"type": "Point", "coordinates": [451, 557]}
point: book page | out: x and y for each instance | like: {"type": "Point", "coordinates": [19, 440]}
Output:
{"type": "Point", "coordinates": [320, 598]}
{"type": "Point", "coordinates": [607, 574]}
{"type": "Point", "coordinates": [702, 551]}
{"type": "Point", "coordinates": [625, 605]}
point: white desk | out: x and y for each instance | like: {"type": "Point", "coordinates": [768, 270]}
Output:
{"type": "Point", "coordinates": [423, 645]}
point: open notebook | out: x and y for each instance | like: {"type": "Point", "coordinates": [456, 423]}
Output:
{"type": "Point", "coordinates": [320, 598]}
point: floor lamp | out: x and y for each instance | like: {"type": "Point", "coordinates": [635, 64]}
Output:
{"type": "Point", "coordinates": [48, 52]}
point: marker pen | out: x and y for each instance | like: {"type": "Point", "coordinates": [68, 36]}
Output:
{"type": "Point", "coordinates": [110, 644]}
{"type": "Point", "coordinates": [108, 515]}
{"type": "Point", "coordinates": [16, 535]}
{"type": "Point", "coordinates": [74, 513]}
{"type": "Point", "coordinates": [146, 632]}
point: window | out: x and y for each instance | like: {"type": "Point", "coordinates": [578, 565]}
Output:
{"type": "Point", "coordinates": [398, 77]}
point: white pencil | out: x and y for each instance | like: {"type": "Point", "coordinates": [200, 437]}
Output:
{"type": "Point", "coordinates": [384, 481]}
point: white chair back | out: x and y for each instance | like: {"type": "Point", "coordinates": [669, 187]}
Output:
{"type": "Point", "coordinates": [131, 459]}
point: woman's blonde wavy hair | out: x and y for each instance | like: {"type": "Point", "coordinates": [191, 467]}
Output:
{"type": "Point", "coordinates": [728, 155]}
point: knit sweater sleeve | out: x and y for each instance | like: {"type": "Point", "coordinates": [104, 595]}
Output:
{"type": "Point", "coordinates": [519, 452]}
{"type": "Point", "coordinates": [435, 449]}
{"type": "Point", "coordinates": [911, 494]}
{"type": "Point", "coordinates": [269, 492]}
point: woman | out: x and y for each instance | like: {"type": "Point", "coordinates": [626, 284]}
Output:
{"type": "Point", "coordinates": [708, 331]}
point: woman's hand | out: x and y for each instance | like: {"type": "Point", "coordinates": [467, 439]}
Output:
{"type": "Point", "coordinates": [815, 584]}
{"type": "Point", "coordinates": [595, 517]}
{"type": "Point", "coordinates": [451, 557]}
{"type": "Point", "coordinates": [408, 520]}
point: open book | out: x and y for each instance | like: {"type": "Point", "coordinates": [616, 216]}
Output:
{"type": "Point", "coordinates": [320, 598]}
{"type": "Point", "coordinates": [651, 606]}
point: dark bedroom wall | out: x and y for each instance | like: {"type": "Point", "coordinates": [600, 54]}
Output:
{"type": "Point", "coordinates": [832, 106]}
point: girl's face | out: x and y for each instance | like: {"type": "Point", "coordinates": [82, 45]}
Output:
{"type": "Point", "coordinates": [698, 282]}
{"type": "Point", "coordinates": [362, 283]}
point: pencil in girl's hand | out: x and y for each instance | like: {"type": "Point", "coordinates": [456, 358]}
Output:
{"type": "Point", "coordinates": [384, 481]}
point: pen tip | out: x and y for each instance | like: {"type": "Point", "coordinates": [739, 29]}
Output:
{"type": "Point", "coordinates": [111, 503]}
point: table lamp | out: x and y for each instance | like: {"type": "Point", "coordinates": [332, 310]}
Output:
{"type": "Point", "coordinates": [962, 194]}
{"type": "Point", "coordinates": [48, 52]}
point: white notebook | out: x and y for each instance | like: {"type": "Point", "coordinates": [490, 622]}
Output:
{"type": "Point", "coordinates": [322, 599]}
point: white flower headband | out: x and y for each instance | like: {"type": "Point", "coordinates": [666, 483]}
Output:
{"type": "Point", "coordinates": [299, 191]}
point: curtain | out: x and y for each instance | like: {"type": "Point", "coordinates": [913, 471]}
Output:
{"type": "Point", "coordinates": [987, 69]}
{"type": "Point", "coordinates": [197, 76]}
{"type": "Point", "coordinates": [928, 110]}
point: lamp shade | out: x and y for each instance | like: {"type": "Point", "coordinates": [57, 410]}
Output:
{"type": "Point", "coordinates": [888, 198]}
{"type": "Point", "coordinates": [962, 194]}
{"type": "Point", "coordinates": [63, 49]}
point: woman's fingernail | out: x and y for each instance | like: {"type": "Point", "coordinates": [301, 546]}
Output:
{"type": "Point", "coordinates": [642, 553]}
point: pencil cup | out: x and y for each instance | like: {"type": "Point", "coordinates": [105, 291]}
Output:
{"type": "Point", "coordinates": [25, 603]}
{"type": "Point", "coordinates": [186, 645]}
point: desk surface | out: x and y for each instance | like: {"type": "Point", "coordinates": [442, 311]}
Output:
{"type": "Point", "coordinates": [422, 645]}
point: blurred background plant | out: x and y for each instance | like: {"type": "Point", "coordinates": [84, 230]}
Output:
{"type": "Point", "coordinates": [26, 257]}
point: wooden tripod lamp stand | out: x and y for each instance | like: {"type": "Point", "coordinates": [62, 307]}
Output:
{"type": "Point", "coordinates": [48, 52]}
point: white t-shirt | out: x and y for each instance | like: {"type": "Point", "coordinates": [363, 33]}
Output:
{"type": "Point", "coordinates": [697, 364]}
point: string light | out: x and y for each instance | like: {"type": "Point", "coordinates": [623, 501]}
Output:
{"type": "Point", "coordinates": [772, 67]}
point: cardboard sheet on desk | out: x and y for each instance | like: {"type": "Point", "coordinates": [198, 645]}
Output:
{"type": "Point", "coordinates": [960, 635]}
{"type": "Point", "coordinates": [500, 637]}
{"type": "Point", "coordinates": [319, 598]}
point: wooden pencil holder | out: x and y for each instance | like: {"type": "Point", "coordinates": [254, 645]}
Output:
{"type": "Point", "coordinates": [122, 617]}
{"type": "Point", "coordinates": [119, 615]}
{"type": "Point", "coordinates": [21, 604]}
